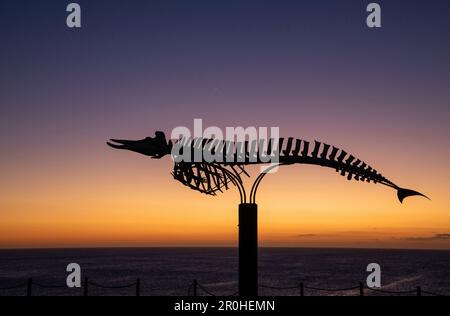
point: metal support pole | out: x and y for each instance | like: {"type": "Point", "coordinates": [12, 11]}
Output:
{"type": "Point", "coordinates": [194, 288]}
{"type": "Point", "coordinates": [29, 285]}
{"type": "Point", "coordinates": [86, 286]}
{"type": "Point", "coordinates": [248, 249]}
{"type": "Point", "coordinates": [138, 287]}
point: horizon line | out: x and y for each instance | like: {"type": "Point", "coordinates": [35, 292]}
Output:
{"type": "Point", "coordinates": [210, 247]}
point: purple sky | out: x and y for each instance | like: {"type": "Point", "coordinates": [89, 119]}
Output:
{"type": "Point", "coordinates": [312, 68]}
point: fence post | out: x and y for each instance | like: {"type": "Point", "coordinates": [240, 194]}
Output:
{"type": "Point", "coordinates": [138, 287]}
{"type": "Point", "coordinates": [361, 289]}
{"type": "Point", "coordinates": [419, 291]}
{"type": "Point", "coordinates": [302, 292]}
{"type": "Point", "coordinates": [29, 283]}
{"type": "Point", "coordinates": [85, 289]}
{"type": "Point", "coordinates": [194, 287]}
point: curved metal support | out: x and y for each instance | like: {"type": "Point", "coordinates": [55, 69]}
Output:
{"type": "Point", "coordinates": [237, 182]}
{"type": "Point", "coordinates": [255, 186]}
{"type": "Point", "coordinates": [258, 181]}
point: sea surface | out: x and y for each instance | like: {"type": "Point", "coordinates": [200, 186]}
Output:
{"type": "Point", "coordinates": [170, 271]}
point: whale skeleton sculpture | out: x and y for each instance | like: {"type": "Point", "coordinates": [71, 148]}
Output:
{"type": "Point", "coordinates": [211, 177]}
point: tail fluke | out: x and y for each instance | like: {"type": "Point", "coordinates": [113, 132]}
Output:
{"type": "Point", "coordinates": [404, 193]}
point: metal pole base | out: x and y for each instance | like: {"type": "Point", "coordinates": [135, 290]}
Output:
{"type": "Point", "coordinates": [248, 249]}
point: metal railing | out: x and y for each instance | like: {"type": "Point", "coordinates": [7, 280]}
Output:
{"type": "Point", "coordinates": [196, 289]}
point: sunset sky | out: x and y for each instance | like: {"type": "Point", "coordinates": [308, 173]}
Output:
{"type": "Point", "coordinates": [312, 68]}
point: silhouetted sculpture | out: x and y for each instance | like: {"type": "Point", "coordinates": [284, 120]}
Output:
{"type": "Point", "coordinates": [212, 176]}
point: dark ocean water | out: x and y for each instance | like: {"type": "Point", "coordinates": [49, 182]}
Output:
{"type": "Point", "coordinates": [170, 271]}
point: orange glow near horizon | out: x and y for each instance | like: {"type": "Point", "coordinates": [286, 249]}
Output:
{"type": "Point", "coordinates": [133, 201]}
